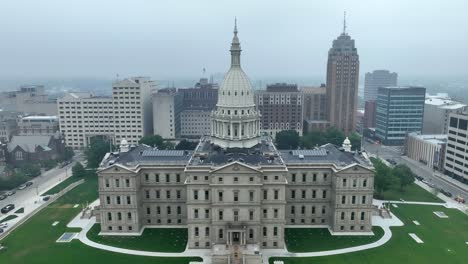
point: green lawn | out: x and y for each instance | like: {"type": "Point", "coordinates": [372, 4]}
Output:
{"type": "Point", "coordinates": [152, 239]}
{"type": "Point", "coordinates": [319, 239]}
{"type": "Point", "coordinates": [57, 188]}
{"type": "Point", "coordinates": [34, 242]}
{"type": "Point", "coordinates": [20, 211]}
{"type": "Point", "coordinates": [412, 193]}
{"type": "Point", "coordinates": [8, 218]}
{"type": "Point", "coordinates": [444, 240]}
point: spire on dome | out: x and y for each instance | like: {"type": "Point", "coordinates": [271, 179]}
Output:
{"type": "Point", "coordinates": [235, 47]}
{"type": "Point", "coordinates": [344, 23]}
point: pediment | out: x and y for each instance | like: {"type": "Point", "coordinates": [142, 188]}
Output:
{"type": "Point", "coordinates": [235, 167]}
{"type": "Point", "coordinates": [116, 168]}
{"type": "Point", "coordinates": [355, 168]}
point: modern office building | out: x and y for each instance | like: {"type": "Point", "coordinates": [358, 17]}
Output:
{"type": "Point", "coordinates": [436, 113]}
{"type": "Point", "coordinates": [133, 108]}
{"type": "Point", "coordinates": [342, 83]}
{"type": "Point", "coordinates": [235, 188]}
{"type": "Point", "coordinates": [38, 126]}
{"type": "Point", "coordinates": [426, 149]}
{"type": "Point", "coordinates": [30, 99]}
{"type": "Point", "coordinates": [374, 80]}
{"type": "Point", "coordinates": [314, 108]}
{"type": "Point", "coordinates": [456, 155]}
{"type": "Point", "coordinates": [280, 106]}
{"type": "Point", "coordinates": [400, 110]}
{"type": "Point", "coordinates": [83, 116]}
{"type": "Point", "coordinates": [167, 106]}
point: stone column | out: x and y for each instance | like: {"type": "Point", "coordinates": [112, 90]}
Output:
{"type": "Point", "coordinates": [232, 130]}
{"type": "Point", "coordinates": [240, 130]}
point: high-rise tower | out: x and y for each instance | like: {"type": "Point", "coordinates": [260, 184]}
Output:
{"type": "Point", "coordinates": [342, 82]}
{"type": "Point", "coordinates": [235, 123]}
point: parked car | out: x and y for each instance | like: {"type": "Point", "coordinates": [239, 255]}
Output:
{"type": "Point", "coordinates": [3, 197]}
{"type": "Point", "coordinates": [46, 198]}
{"type": "Point", "coordinates": [29, 183]}
{"type": "Point", "coordinates": [459, 199]}
{"type": "Point", "coordinates": [22, 186]}
{"type": "Point", "coordinates": [7, 208]}
{"type": "Point", "coordinates": [10, 193]}
{"type": "Point", "coordinates": [3, 225]}
{"type": "Point", "coordinates": [448, 194]}
{"type": "Point", "coordinates": [1, 230]}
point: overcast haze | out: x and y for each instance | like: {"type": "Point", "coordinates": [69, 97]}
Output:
{"type": "Point", "coordinates": [166, 39]}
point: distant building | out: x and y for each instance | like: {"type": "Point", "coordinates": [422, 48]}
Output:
{"type": "Point", "coordinates": [456, 155]}
{"type": "Point", "coordinates": [374, 80]}
{"type": "Point", "coordinates": [30, 99]}
{"type": "Point", "coordinates": [427, 149]}
{"type": "Point", "coordinates": [38, 126]}
{"type": "Point", "coordinates": [126, 115]}
{"type": "Point", "coordinates": [436, 113]}
{"type": "Point", "coordinates": [280, 106]}
{"type": "Point", "coordinates": [133, 111]}
{"type": "Point", "coordinates": [400, 110]}
{"type": "Point", "coordinates": [8, 125]}
{"type": "Point", "coordinates": [315, 108]}
{"type": "Point", "coordinates": [27, 149]}
{"type": "Point", "coordinates": [167, 106]}
{"type": "Point", "coordinates": [342, 83]}
{"type": "Point", "coordinates": [198, 102]}
{"type": "Point", "coordinates": [83, 116]}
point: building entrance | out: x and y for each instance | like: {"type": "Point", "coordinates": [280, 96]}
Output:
{"type": "Point", "coordinates": [235, 237]}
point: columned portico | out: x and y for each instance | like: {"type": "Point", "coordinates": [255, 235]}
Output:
{"type": "Point", "coordinates": [236, 237]}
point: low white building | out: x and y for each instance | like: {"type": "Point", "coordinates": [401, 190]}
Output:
{"type": "Point", "coordinates": [437, 109]}
{"type": "Point", "coordinates": [38, 125]}
{"type": "Point", "coordinates": [427, 149]}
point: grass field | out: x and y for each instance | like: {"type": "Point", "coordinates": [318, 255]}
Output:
{"type": "Point", "coordinates": [320, 239]}
{"type": "Point", "coordinates": [57, 188]}
{"type": "Point", "coordinates": [412, 193]}
{"type": "Point", "coordinates": [34, 242]}
{"type": "Point", "coordinates": [152, 239]}
{"type": "Point", "coordinates": [444, 240]}
{"type": "Point", "coordinates": [8, 218]}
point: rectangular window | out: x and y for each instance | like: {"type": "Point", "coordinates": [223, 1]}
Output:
{"type": "Point", "coordinates": [168, 178]}
{"type": "Point", "coordinates": [276, 195]}
{"type": "Point", "coordinates": [207, 195]}
{"type": "Point", "coordinates": [157, 177]}
{"type": "Point", "coordinates": [363, 200]}
{"type": "Point", "coordinates": [324, 194]}
{"type": "Point", "coordinates": [220, 215]}
{"type": "Point", "coordinates": [220, 196]}
{"type": "Point", "coordinates": [158, 194]}
{"type": "Point", "coordinates": [293, 177]}
{"type": "Point", "coordinates": [117, 183]}
{"type": "Point", "coordinates": [314, 177]}
{"type": "Point", "coordinates": [303, 195]}
{"type": "Point", "coordinates": [127, 183]}
{"type": "Point", "coordinates": [177, 177]}
{"type": "Point", "coordinates": [236, 196]}
{"type": "Point", "coordinates": [251, 196]}
{"type": "Point", "coordinates": [293, 194]}
{"type": "Point", "coordinates": [195, 194]}
{"type": "Point", "coordinates": [275, 213]}
{"type": "Point", "coordinates": [303, 177]}
{"type": "Point", "coordinates": [265, 194]}
{"type": "Point", "coordinates": [314, 194]}
{"type": "Point", "coordinates": [129, 200]}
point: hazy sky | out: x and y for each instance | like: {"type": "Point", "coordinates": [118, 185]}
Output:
{"type": "Point", "coordinates": [174, 38]}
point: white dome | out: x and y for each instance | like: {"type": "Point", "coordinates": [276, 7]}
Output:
{"type": "Point", "coordinates": [236, 90]}
{"type": "Point", "coordinates": [347, 141]}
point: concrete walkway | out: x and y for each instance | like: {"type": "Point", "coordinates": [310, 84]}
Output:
{"type": "Point", "coordinates": [385, 224]}
{"type": "Point", "coordinates": [86, 225]}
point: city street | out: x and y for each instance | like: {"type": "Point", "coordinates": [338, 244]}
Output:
{"type": "Point", "coordinates": [440, 181]}
{"type": "Point", "coordinates": [41, 184]}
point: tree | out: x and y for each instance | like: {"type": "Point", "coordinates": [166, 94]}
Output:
{"type": "Point", "coordinates": [287, 139]}
{"type": "Point", "coordinates": [313, 138]}
{"type": "Point", "coordinates": [78, 170]}
{"type": "Point", "coordinates": [334, 136]}
{"type": "Point", "coordinates": [404, 174]}
{"type": "Point", "coordinates": [30, 170]}
{"type": "Point", "coordinates": [186, 145]}
{"type": "Point", "coordinates": [355, 141]}
{"type": "Point", "coordinates": [383, 178]}
{"type": "Point", "coordinates": [156, 141]}
{"type": "Point", "coordinates": [96, 151]}
{"type": "Point", "coordinates": [68, 153]}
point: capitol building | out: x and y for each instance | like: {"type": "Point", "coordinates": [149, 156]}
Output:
{"type": "Point", "coordinates": [236, 187]}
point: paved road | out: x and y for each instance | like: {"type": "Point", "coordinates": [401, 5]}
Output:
{"type": "Point", "coordinates": [40, 184]}
{"type": "Point", "coordinates": [440, 181]}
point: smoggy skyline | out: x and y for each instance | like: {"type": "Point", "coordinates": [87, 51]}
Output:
{"type": "Point", "coordinates": [167, 39]}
